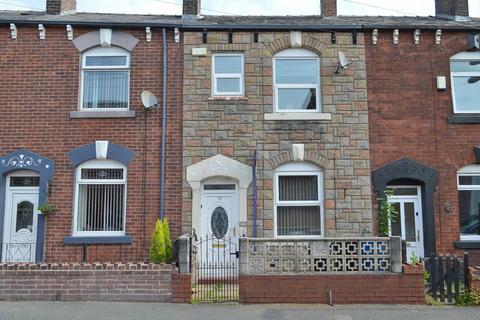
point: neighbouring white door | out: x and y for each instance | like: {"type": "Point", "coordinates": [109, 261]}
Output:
{"type": "Point", "coordinates": [219, 234]}
{"type": "Point", "coordinates": [21, 216]}
{"type": "Point", "coordinates": [409, 224]}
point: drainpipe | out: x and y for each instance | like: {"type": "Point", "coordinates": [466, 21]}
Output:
{"type": "Point", "coordinates": [164, 120]}
{"type": "Point", "coordinates": [255, 193]}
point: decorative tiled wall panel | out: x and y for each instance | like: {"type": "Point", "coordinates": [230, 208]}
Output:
{"type": "Point", "coordinates": [273, 256]}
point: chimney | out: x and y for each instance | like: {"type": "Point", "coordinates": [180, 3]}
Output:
{"type": "Point", "coordinates": [456, 10]}
{"type": "Point", "coordinates": [329, 8]}
{"type": "Point", "coordinates": [61, 7]}
{"type": "Point", "coordinates": [191, 8]}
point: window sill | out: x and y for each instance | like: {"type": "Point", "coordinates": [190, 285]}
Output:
{"type": "Point", "coordinates": [464, 118]}
{"type": "Point", "coordinates": [467, 244]}
{"type": "Point", "coordinates": [228, 98]}
{"type": "Point", "coordinates": [297, 116]}
{"type": "Point", "coordinates": [102, 114]}
{"type": "Point", "coordinates": [98, 240]}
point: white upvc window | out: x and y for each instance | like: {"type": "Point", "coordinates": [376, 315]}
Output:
{"type": "Point", "coordinates": [100, 198]}
{"type": "Point", "coordinates": [296, 74]}
{"type": "Point", "coordinates": [468, 183]}
{"type": "Point", "coordinates": [228, 74]}
{"type": "Point", "coordinates": [465, 78]}
{"type": "Point", "coordinates": [298, 189]}
{"type": "Point", "coordinates": [105, 79]}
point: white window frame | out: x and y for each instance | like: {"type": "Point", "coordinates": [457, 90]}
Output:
{"type": "Point", "coordinates": [99, 164]}
{"type": "Point", "coordinates": [104, 52]}
{"type": "Point", "coordinates": [296, 54]}
{"type": "Point", "coordinates": [240, 76]}
{"type": "Point", "coordinates": [298, 169]}
{"type": "Point", "coordinates": [468, 171]}
{"type": "Point", "coordinates": [463, 57]}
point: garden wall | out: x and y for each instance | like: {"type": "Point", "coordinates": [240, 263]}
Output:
{"type": "Point", "coordinates": [127, 282]}
{"type": "Point", "coordinates": [387, 288]}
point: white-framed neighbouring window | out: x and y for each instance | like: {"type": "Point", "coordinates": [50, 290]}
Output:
{"type": "Point", "coordinates": [105, 79]}
{"type": "Point", "coordinates": [227, 74]}
{"type": "Point", "coordinates": [100, 198]}
{"type": "Point", "coordinates": [296, 74]}
{"type": "Point", "coordinates": [465, 78]}
{"type": "Point", "coordinates": [468, 183]}
{"type": "Point", "coordinates": [298, 194]}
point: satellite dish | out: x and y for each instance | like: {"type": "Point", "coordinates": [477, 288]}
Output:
{"type": "Point", "coordinates": [342, 61]}
{"type": "Point", "coordinates": [149, 100]}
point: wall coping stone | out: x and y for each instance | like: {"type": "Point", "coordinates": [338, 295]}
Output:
{"type": "Point", "coordinates": [87, 266]}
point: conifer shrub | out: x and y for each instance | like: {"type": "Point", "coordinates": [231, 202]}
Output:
{"type": "Point", "coordinates": [157, 246]}
{"type": "Point", "coordinates": [168, 241]}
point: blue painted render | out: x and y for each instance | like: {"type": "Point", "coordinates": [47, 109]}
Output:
{"type": "Point", "coordinates": [88, 152]}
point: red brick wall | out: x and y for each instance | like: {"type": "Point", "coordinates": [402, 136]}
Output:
{"type": "Point", "coordinates": [39, 81]}
{"type": "Point", "coordinates": [346, 289]}
{"type": "Point", "coordinates": [87, 282]}
{"type": "Point", "coordinates": [329, 7]}
{"type": "Point", "coordinates": [181, 288]}
{"type": "Point", "coordinates": [408, 116]}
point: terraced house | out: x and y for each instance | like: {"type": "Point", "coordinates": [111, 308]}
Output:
{"type": "Point", "coordinates": [271, 98]}
{"type": "Point", "coordinates": [423, 97]}
{"type": "Point", "coordinates": [268, 149]}
{"type": "Point", "coordinates": [76, 136]}
{"type": "Point", "coordinates": [276, 157]}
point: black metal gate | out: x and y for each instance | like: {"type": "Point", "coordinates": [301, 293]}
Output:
{"type": "Point", "coordinates": [215, 270]}
{"type": "Point", "coordinates": [446, 274]}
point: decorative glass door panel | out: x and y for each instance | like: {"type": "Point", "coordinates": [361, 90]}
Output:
{"type": "Point", "coordinates": [20, 223]}
{"type": "Point", "coordinates": [219, 224]}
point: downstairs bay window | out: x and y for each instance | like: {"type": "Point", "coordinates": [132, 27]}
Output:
{"type": "Point", "coordinates": [298, 200]}
{"type": "Point", "coordinates": [100, 198]}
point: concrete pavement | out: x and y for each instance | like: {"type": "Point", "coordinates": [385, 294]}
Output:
{"type": "Point", "coordinates": [144, 311]}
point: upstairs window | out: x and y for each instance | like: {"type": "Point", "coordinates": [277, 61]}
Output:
{"type": "Point", "coordinates": [465, 75]}
{"type": "Point", "coordinates": [296, 81]}
{"type": "Point", "coordinates": [298, 200]}
{"type": "Point", "coordinates": [105, 79]}
{"type": "Point", "coordinates": [469, 202]}
{"type": "Point", "coordinates": [100, 198]}
{"type": "Point", "coordinates": [227, 74]}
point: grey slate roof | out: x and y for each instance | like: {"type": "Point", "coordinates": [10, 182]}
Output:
{"type": "Point", "coordinates": [239, 22]}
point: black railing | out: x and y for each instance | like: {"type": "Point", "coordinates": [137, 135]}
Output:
{"type": "Point", "coordinates": [447, 277]}
{"type": "Point", "coordinates": [215, 270]}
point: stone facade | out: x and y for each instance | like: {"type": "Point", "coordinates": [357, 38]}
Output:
{"type": "Point", "coordinates": [237, 127]}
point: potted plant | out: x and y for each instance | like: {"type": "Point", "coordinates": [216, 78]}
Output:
{"type": "Point", "coordinates": [47, 209]}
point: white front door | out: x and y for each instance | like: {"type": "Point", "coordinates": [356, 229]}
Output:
{"type": "Point", "coordinates": [21, 215]}
{"type": "Point", "coordinates": [409, 223]}
{"type": "Point", "coordinates": [219, 222]}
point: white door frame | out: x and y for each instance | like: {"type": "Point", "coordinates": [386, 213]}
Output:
{"type": "Point", "coordinates": [418, 248]}
{"type": "Point", "coordinates": [10, 216]}
{"type": "Point", "coordinates": [214, 167]}
{"type": "Point", "coordinates": [204, 226]}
